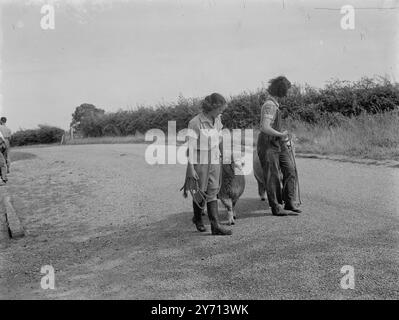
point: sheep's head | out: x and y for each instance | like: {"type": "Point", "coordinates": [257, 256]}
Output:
{"type": "Point", "coordinates": [235, 165]}
{"type": "Point", "coordinates": [238, 166]}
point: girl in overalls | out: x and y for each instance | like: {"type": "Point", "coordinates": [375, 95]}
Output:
{"type": "Point", "coordinates": [273, 152]}
{"type": "Point", "coordinates": [204, 168]}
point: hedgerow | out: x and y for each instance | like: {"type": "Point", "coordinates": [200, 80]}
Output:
{"type": "Point", "coordinates": [329, 105]}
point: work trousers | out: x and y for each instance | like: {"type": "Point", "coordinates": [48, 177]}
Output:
{"type": "Point", "coordinates": [273, 162]}
{"type": "Point", "coordinates": [209, 180]}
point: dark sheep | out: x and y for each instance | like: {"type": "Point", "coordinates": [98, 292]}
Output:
{"type": "Point", "coordinates": [232, 187]}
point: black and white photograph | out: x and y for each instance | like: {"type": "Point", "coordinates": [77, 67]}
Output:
{"type": "Point", "coordinates": [199, 155]}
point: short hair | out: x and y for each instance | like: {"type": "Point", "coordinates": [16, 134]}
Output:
{"type": "Point", "coordinates": [279, 86]}
{"type": "Point", "coordinates": [3, 119]}
{"type": "Point", "coordinates": [212, 102]}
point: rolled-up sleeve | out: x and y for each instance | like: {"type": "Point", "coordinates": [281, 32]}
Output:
{"type": "Point", "coordinates": [268, 112]}
{"type": "Point", "coordinates": [193, 133]}
{"type": "Point", "coordinates": [193, 130]}
{"type": "Point", "coordinates": [219, 124]}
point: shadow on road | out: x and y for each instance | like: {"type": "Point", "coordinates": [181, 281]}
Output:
{"type": "Point", "coordinates": [252, 207]}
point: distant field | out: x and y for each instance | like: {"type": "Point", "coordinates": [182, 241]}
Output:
{"type": "Point", "coordinates": [21, 155]}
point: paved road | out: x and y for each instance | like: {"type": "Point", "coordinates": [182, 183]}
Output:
{"type": "Point", "coordinates": [113, 226]}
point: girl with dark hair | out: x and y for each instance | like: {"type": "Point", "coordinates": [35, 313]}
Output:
{"type": "Point", "coordinates": [273, 152]}
{"type": "Point", "coordinates": [204, 168]}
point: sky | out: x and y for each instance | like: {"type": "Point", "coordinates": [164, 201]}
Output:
{"type": "Point", "coordinates": [120, 54]}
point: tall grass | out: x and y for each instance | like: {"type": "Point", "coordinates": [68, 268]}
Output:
{"type": "Point", "coordinates": [374, 136]}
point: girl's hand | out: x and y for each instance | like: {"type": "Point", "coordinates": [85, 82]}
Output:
{"type": "Point", "coordinates": [191, 173]}
{"type": "Point", "coordinates": [284, 135]}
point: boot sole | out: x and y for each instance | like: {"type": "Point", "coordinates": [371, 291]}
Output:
{"type": "Point", "coordinates": [220, 233]}
{"type": "Point", "coordinates": [201, 230]}
{"type": "Point", "coordinates": [293, 210]}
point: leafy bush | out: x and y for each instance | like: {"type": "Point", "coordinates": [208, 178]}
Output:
{"type": "Point", "coordinates": [367, 95]}
{"type": "Point", "coordinates": [244, 110]}
{"type": "Point", "coordinates": [43, 135]}
{"type": "Point", "coordinates": [85, 113]}
{"type": "Point", "coordinates": [330, 106]}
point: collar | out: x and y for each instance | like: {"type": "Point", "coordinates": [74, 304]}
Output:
{"type": "Point", "coordinates": [204, 118]}
{"type": "Point", "coordinates": [274, 100]}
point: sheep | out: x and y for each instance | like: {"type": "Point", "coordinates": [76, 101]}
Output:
{"type": "Point", "coordinates": [232, 187]}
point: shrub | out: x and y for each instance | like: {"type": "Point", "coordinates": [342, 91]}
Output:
{"type": "Point", "coordinates": [366, 95]}
{"type": "Point", "coordinates": [243, 110]}
{"type": "Point", "coordinates": [43, 135]}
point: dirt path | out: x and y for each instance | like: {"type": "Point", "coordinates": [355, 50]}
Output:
{"type": "Point", "coordinates": [113, 227]}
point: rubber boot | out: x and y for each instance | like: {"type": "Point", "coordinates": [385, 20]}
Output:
{"type": "Point", "coordinates": [279, 211]}
{"type": "Point", "coordinates": [292, 207]}
{"type": "Point", "coordinates": [213, 213]}
{"type": "Point", "coordinates": [197, 219]}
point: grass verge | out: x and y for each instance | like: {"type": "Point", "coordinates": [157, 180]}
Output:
{"type": "Point", "coordinates": [365, 136]}
{"type": "Point", "coordinates": [138, 138]}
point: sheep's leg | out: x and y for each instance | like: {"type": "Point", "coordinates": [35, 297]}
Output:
{"type": "Point", "coordinates": [229, 206]}
{"type": "Point", "coordinates": [234, 209]}
{"type": "Point", "coordinates": [261, 191]}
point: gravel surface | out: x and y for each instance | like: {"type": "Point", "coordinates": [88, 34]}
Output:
{"type": "Point", "coordinates": [114, 227]}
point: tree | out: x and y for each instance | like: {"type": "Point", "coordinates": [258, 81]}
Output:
{"type": "Point", "coordinates": [85, 113]}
